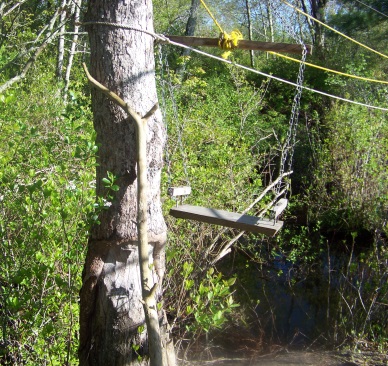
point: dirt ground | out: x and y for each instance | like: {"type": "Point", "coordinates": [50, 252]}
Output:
{"type": "Point", "coordinates": [302, 359]}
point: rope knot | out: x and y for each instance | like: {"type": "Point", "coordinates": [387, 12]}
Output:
{"type": "Point", "coordinates": [229, 41]}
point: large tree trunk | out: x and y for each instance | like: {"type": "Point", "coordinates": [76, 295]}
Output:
{"type": "Point", "coordinates": [111, 297]}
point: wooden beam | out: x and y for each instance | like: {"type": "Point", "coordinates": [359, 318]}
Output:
{"type": "Point", "coordinates": [179, 191]}
{"type": "Point", "coordinates": [243, 44]}
{"type": "Point", "coordinates": [229, 219]}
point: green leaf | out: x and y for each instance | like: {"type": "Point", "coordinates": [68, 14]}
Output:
{"type": "Point", "coordinates": [39, 256]}
{"type": "Point", "coordinates": [232, 281]}
{"type": "Point", "coordinates": [115, 188]}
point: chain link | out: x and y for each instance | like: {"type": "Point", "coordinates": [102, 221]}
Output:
{"type": "Point", "coordinates": [296, 107]}
{"type": "Point", "coordinates": [287, 154]}
{"type": "Point", "coordinates": [167, 84]}
{"type": "Point", "coordinates": [167, 160]}
{"type": "Point", "coordinates": [289, 146]}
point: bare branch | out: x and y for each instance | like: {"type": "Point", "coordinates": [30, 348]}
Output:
{"type": "Point", "coordinates": [37, 52]}
{"type": "Point", "coordinates": [151, 112]}
{"type": "Point", "coordinates": [11, 9]}
{"type": "Point", "coordinates": [113, 97]}
{"type": "Point", "coordinates": [148, 292]}
{"type": "Point", "coordinates": [226, 249]}
{"type": "Point", "coordinates": [258, 199]}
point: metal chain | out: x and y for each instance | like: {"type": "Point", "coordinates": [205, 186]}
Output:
{"type": "Point", "coordinates": [167, 160]}
{"type": "Point", "coordinates": [166, 81]}
{"type": "Point", "coordinates": [296, 107]}
{"type": "Point", "coordinates": [287, 154]}
{"type": "Point", "coordinates": [289, 146]}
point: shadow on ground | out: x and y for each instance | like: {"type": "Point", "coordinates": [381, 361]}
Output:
{"type": "Point", "coordinates": [302, 359]}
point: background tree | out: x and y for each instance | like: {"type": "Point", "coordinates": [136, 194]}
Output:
{"type": "Point", "coordinates": [317, 9]}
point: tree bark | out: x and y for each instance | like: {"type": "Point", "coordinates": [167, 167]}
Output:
{"type": "Point", "coordinates": [61, 40]}
{"type": "Point", "coordinates": [111, 312]}
{"type": "Point", "coordinates": [318, 12]}
{"type": "Point", "coordinates": [191, 25]}
{"type": "Point", "coordinates": [270, 21]}
{"type": "Point", "coordinates": [76, 8]}
{"type": "Point", "coordinates": [192, 20]}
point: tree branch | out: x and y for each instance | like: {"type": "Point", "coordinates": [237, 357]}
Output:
{"type": "Point", "coordinates": [148, 289]}
{"type": "Point", "coordinates": [259, 198]}
{"type": "Point", "coordinates": [114, 97]}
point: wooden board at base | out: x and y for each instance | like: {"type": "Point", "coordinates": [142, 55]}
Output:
{"type": "Point", "coordinates": [228, 219]}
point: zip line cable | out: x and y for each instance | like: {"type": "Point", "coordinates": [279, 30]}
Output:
{"type": "Point", "coordinates": [334, 30]}
{"type": "Point", "coordinates": [164, 39]}
{"type": "Point", "coordinates": [368, 6]}
{"type": "Point", "coordinates": [275, 77]}
{"type": "Point", "coordinates": [330, 70]}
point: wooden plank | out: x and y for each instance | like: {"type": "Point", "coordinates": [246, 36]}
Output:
{"type": "Point", "coordinates": [228, 219]}
{"type": "Point", "coordinates": [179, 191]}
{"type": "Point", "coordinates": [243, 44]}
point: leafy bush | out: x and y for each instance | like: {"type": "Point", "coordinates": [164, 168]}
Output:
{"type": "Point", "coordinates": [349, 189]}
{"type": "Point", "coordinates": [46, 201]}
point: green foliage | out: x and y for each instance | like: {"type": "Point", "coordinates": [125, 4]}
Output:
{"type": "Point", "coordinates": [362, 290]}
{"type": "Point", "coordinates": [22, 28]}
{"type": "Point", "coordinates": [210, 302]}
{"type": "Point", "coordinates": [47, 195]}
{"type": "Point", "coordinates": [225, 139]}
{"type": "Point", "coordinates": [301, 245]}
{"type": "Point", "coordinates": [350, 178]}
{"type": "Point", "coordinates": [198, 300]}
{"type": "Point", "coordinates": [214, 141]}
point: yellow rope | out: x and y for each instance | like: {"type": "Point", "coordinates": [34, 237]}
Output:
{"type": "Point", "coordinates": [330, 70]}
{"type": "Point", "coordinates": [276, 78]}
{"type": "Point", "coordinates": [212, 16]}
{"type": "Point", "coordinates": [334, 30]}
{"type": "Point", "coordinates": [229, 41]}
{"type": "Point", "coordinates": [226, 41]}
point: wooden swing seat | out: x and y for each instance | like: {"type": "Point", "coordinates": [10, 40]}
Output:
{"type": "Point", "coordinates": [228, 219]}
